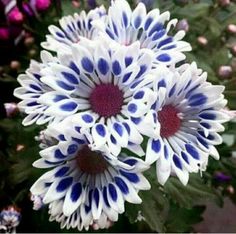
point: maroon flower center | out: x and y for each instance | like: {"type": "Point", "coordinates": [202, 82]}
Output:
{"type": "Point", "coordinates": [91, 162]}
{"type": "Point", "coordinates": [169, 121]}
{"type": "Point", "coordinates": [106, 100]}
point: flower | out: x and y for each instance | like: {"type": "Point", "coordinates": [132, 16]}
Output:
{"type": "Point", "coordinates": [124, 26]}
{"type": "Point", "coordinates": [94, 86]}
{"type": "Point", "coordinates": [85, 187]}
{"type": "Point", "coordinates": [37, 201]}
{"type": "Point", "coordinates": [190, 112]}
{"type": "Point", "coordinates": [10, 217]}
{"type": "Point", "coordinates": [72, 30]}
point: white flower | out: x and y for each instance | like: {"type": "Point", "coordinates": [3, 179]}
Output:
{"type": "Point", "coordinates": [10, 217]}
{"type": "Point", "coordinates": [190, 112]}
{"type": "Point", "coordinates": [94, 86]}
{"type": "Point", "coordinates": [73, 29]}
{"type": "Point", "coordinates": [86, 187]}
{"type": "Point", "coordinates": [124, 26]}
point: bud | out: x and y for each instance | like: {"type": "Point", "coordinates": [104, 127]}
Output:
{"type": "Point", "coordinates": [32, 53]}
{"type": "Point", "coordinates": [230, 189]}
{"type": "Point", "coordinates": [76, 3]}
{"type": "Point", "coordinates": [182, 25]}
{"type": "Point", "coordinates": [225, 72]}
{"type": "Point", "coordinates": [4, 34]}
{"type": "Point", "coordinates": [221, 177]}
{"type": "Point", "coordinates": [92, 3]}
{"type": "Point", "coordinates": [233, 50]}
{"type": "Point", "coordinates": [42, 5]}
{"type": "Point", "coordinates": [15, 65]}
{"type": "Point", "coordinates": [19, 147]}
{"type": "Point", "coordinates": [15, 16]}
{"type": "Point", "coordinates": [224, 3]}
{"type": "Point", "coordinates": [202, 41]}
{"type": "Point", "coordinates": [11, 109]}
{"type": "Point", "coordinates": [29, 41]}
{"type": "Point", "coordinates": [231, 28]}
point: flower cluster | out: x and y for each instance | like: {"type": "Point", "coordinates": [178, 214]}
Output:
{"type": "Point", "coordinates": [9, 219]}
{"type": "Point", "coordinates": [113, 86]}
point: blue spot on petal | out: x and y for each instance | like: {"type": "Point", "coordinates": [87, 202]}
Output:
{"type": "Point", "coordinates": [62, 171]}
{"type": "Point", "coordinates": [128, 61]}
{"type": "Point", "coordinates": [121, 185]}
{"type": "Point", "coordinates": [132, 177]}
{"type": "Point", "coordinates": [192, 151]}
{"type": "Point", "coordinates": [139, 95]}
{"type": "Point", "coordinates": [96, 196]}
{"type": "Point", "coordinates": [127, 127]}
{"type": "Point", "coordinates": [132, 108]}
{"type": "Point", "coordinates": [70, 78]}
{"type": "Point", "coordinates": [172, 91]}
{"type": "Point", "coordinates": [125, 19]}
{"type": "Point", "coordinates": [131, 162]}
{"type": "Point", "coordinates": [210, 116]}
{"type": "Point", "coordinates": [166, 154]}
{"type": "Point", "coordinates": [157, 27]}
{"type": "Point", "coordinates": [156, 146]}
{"type": "Point", "coordinates": [164, 42]}
{"type": "Point", "coordinates": [72, 149]}
{"type": "Point", "coordinates": [101, 130]}
{"type": "Point", "coordinates": [162, 83]}
{"type": "Point", "coordinates": [64, 85]}
{"type": "Point", "coordinates": [69, 106]}
{"type": "Point", "coordinates": [116, 68]}
{"type": "Point", "coordinates": [87, 64]}
{"type": "Point", "coordinates": [58, 98]}
{"type": "Point", "coordinates": [177, 162]}
{"type": "Point", "coordinates": [185, 157]}
{"type": "Point", "coordinates": [64, 184]}
{"type": "Point", "coordinates": [148, 22]}
{"type": "Point", "coordinates": [164, 58]}
{"type": "Point", "coordinates": [76, 192]}
{"type": "Point", "coordinates": [74, 67]}
{"type": "Point", "coordinates": [118, 128]}
{"type": "Point", "coordinates": [104, 193]}
{"type": "Point", "coordinates": [126, 77]}
{"type": "Point", "coordinates": [113, 140]}
{"type": "Point", "coordinates": [58, 154]}
{"type": "Point", "coordinates": [35, 87]}
{"type": "Point", "coordinates": [137, 22]}
{"type": "Point", "coordinates": [87, 118]}
{"type": "Point", "coordinates": [112, 192]}
{"type": "Point", "coordinates": [143, 69]}
{"type": "Point", "coordinates": [136, 120]}
{"type": "Point", "coordinates": [158, 35]}
{"type": "Point", "coordinates": [197, 99]}
{"type": "Point", "coordinates": [103, 66]}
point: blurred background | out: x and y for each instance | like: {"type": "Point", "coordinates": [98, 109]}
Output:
{"type": "Point", "coordinates": [207, 204]}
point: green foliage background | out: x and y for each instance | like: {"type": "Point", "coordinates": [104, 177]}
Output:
{"type": "Point", "coordinates": [172, 208]}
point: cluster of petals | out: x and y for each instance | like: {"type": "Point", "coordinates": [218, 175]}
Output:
{"type": "Point", "coordinates": [113, 86]}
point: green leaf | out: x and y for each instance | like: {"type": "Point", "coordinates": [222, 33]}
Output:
{"type": "Point", "coordinates": [182, 219]}
{"type": "Point", "coordinates": [196, 192]}
{"type": "Point", "coordinates": [154, 209]}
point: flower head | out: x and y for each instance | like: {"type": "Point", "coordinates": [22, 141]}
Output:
{"type": "Point", "coordinates": [189, 113]}
{"type": "Point", "coordinates": [10, 217]}
{"type": "Point", "coordinates": [94, 86]}
{"type": "Point", "coordinates": [124, 26]}
{"type": "Point", "coordinates": [86, 187]}
{"type": "Point", "coordinates": [73, 29]}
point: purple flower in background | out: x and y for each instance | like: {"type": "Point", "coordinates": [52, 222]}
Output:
{"type": "Point", "coordinates": [221, 177]}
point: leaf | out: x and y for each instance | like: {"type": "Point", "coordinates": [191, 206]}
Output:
{"type": "Point", "coordinates": [182, 219]}
{"type": "Point", "coordinates": [196, 192]}
{"type": "Point", "coordinates": [154, 209]}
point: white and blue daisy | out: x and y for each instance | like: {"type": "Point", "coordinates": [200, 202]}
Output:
{"type": "Point", "coordinates": [94, 86]}
{"type": "Point", "coordinates": [189, 113]}
{"type": "Point", "coordinates": [73, 29]}
{"type": "Point", "coordinates": [124, 26]}
{"type": "Point", "coordinates": [10, 219]}
{"type": "Point", "coordinates": [86, 187]}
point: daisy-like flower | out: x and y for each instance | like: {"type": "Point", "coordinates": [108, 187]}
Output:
{"type": "Point", "coordinates": [124, 26]}
{"type": "Point", "coordinates": [86, 187]}
{"type": "Point", "coordinates": [189, 113]}
{"type": "Point", "coordinates": [95, 86]}
{"type": "Point", "coordinates": [10, 218]}
{"type": "Point", "coordinates": [73, 29]}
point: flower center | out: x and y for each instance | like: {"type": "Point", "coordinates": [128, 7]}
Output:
{"type": "Point", "coordinates": [91, 162]}
{"type": "Point", "coordinates": [169, 121]}
{"type": "Point", "coordinates": [106, 100]}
